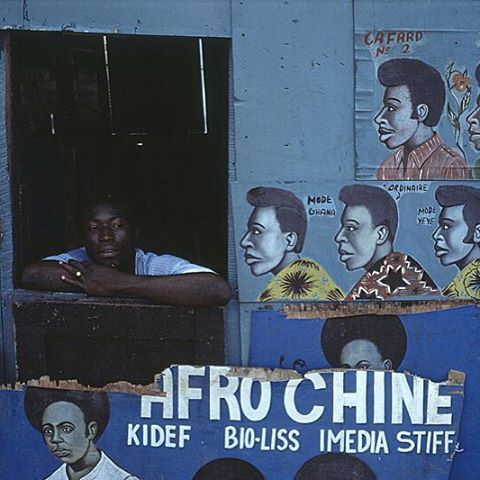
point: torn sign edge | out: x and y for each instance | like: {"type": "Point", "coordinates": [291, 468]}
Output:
{"type": "Point", "coordinates": [261, 374]}
{"type": "Point", "coordinates": [345, 309]}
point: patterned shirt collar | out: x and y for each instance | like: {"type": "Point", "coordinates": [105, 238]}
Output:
{"type": "Point", "coordinates": [417, 157]}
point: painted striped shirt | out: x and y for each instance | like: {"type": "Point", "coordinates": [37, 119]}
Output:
{"type": "Point", "coordinates": [429, 161]}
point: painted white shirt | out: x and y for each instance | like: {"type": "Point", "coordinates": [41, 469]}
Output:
{"type": "Point", "coordinates": [146, 263]}
{"type": "Point", "coordinates": [105, 469]}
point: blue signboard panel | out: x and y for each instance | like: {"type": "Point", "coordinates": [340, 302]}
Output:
{"type": "Point", "coordinates": [222, 423]}
{"type": "Point", "coordinates": [427, 344]}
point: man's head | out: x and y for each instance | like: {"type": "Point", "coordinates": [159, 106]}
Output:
{"type": "Point", "coordinates": [414, 95]}
{"type": "Point", "coordinates": [276, 228]}
{"type": "Point", "coordinates": [473, 118]}
{"type": "Point", "coordinates": [458, 231]}
{"type": "Point", "coordinates": [376, 342]}
{"type": "Point", "coordinates": [70, 421]}
{"type": "Point", "coordinates": [335, 466]}
{"type": "Point", "coordinates": [228, 469]}
{"type": "Point", "coordinates": [109, 233]}
{"type": "Point", "coordinates": [368, 225]}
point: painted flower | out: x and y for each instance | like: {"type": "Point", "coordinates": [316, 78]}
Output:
{"type": "Point", "coordinates": [461, 82]}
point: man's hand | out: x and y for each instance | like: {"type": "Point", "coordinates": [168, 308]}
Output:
{"type": "Point", "coordinates": [191, 289]}
{"type": "Point", "coordinates": [96, 280]}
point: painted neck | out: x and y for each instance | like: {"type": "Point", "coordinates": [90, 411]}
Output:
{"type": "Point", "coordinates": [85, 465]}
{"type": "Point", "coordinates": [473, 255]}
{"type": "Point", "coordinates": [381, 252]}
{"type": "Point", "coordinates": [421, 135]}
{"type": "Point", "coordinates": [288, 258]}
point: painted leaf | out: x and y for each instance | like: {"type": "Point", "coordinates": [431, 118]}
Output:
{"type": "Point", "coordinates": [452, 116]}
{"type": "Point", "coordinates": [465, 101]}
{"type": "Point", "coordinates": [448, 70]}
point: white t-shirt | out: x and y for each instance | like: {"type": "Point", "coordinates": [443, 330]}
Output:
{"type": "Point", "coordinates": [146, 263]}
{"type": "Point", "coordinates": [105, 469]}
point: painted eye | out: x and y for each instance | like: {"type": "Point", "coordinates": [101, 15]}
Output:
{"type": "Point", "coordinates": [256, 231]}
{"type": "Point", "coordinates": [67, 429]}
{"type": "Point", "coordinates": [445, 227]}
{"type": "Point", "coordinates": [390, 108]}
{"type": "Point", "coordinates": [91, 228]}
{"type": "Point", "coordinates": [349, 228]}
{"type": "Point", "coordinates": [47, 431]}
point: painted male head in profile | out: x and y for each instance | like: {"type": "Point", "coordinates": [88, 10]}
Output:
{"type": "Point", "coordinates": [365, 240]}
{"type": "Point", "coordinates": [335, 466]}
{"type": "Point", "coordinates": [376, 342]}
{"type": "Point", "coordinates": [412, 106]}
{"type": "Point", "coordinates": [272, 244]}
{"type": "Point", "coordinates": [368, 226]}
{"type": "Point", "coordinates": [71, 423]}
{"type": "Point", "coordinates": [457, 238]}
{"type": "Point", "coordinates": [276, 230]}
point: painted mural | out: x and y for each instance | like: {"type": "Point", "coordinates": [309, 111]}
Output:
{"type": "Point", "coordinates": [427, 344]}
{"type": "Point", "coordinates": [357, 241]}
{"type": "Point", "coordinates": [416, 102]}
{"type": "Point", "coordinates": [223, 423]}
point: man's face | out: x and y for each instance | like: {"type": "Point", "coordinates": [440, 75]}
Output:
{"type": "Point", "coordinates": [109, 239]}
{"type": "Point", "coordinates": [449, 236]}
{"type": "Point", "coordinates": [473, 121]}
{"type": "Point", "coordinates": [395, 123]}
{"type": "Point", "coordinates": [265, 244]}
{"type": "Point", "coordinates": [357, 237]}
{"type": "Point", "coordinates": [65, 432]}
{"type": "Point", "coordinates": [363, 354]}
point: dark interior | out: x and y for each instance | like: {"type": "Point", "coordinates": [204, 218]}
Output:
{"type": "Point", "coordinates": [135, 132]}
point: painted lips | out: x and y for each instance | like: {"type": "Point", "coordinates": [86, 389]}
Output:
{"type": "Point", "coordinates": [439, 251]}
{"type": "Point", "coordinates": [344, 255]}
{"type": "Point", "coordinates": [385, 133]}
{"type": "Point", "coordinates": [474, 135]}
{"type": "Point", "coordinates": [250, 259]}
{"type": "Point", "coordinates": [61, 452]}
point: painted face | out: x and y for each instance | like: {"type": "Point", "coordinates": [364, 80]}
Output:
{"type": "Point", "coordinates": [265, 244]}
{"type": "Point", "coordinates": [109, 239]}
{"type": "Point", "coordinates": [65, 432]}
{"type": "Point", "coordinates": [363, 354]}
{"type": "Point", "coordinates": [395, 123]}
{"type": "Point", "coordinates": [357, 237]}
{"type": "Point", "coordinates": [473, 121]}
{"type": "Point", "coordinates": [449, 236]}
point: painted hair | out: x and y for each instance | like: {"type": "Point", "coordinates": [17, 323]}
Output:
{"type": "Point", "coordinates": [335, 466]}
{"type": "Point", "coordinates": [469, 197]}
{"type": "Point", "coordinates": [377, 201]}
{"type": "Point", "coordinates": [386, 332]}
{"type": "Point", "coordinates": [424, 83]}
{"type": "Point", "coordinates": [94, 405]}
{"type": "Point", "coordinates": [290, 211]}
{"type": "Point", "coordinates": [228, 469]}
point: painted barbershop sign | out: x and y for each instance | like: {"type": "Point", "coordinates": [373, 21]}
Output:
{"type": "Point", "coordinates": [216, 422]}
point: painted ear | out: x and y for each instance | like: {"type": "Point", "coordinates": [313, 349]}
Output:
{"type": "Point", "coordinates": [291, 238]}
{"type": "Point", "coordinates": [476, 234]}
{"type": "Point", "coordinates": [422, 111]}
{"type": "Point", "coordinates": [92, 429]}
{"type": "Point", "coordinates": [382, 234]}
{"type": "Point", "coordinates": [388, 364]}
